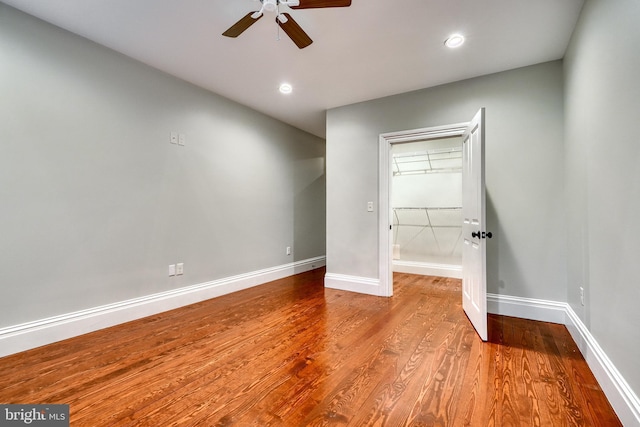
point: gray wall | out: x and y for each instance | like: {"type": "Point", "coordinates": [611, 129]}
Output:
{"type": "Point", "coordinates": [602, 97]}
{"type": "Point", "coordinates": [524, 174]}
{"type": "Point", "coordinates": [96, 203]}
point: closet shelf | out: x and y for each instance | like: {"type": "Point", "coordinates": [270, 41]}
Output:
{"type": "Point", "coordinates": [447, 208]}
{"type": "Point", "coordinates": [442, 160]}
{"type": "Point", "coordinates": [434, 220]}
{"type": "Point", "coordinates": [433, 217]}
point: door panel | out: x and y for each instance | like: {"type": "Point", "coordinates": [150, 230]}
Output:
{"type": "Point", "coordinates": [474, 271]}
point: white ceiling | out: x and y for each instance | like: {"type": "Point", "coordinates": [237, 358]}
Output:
{"type": "Point", "coordinates": [372, 49]}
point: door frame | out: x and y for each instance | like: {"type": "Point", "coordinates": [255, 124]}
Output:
{"type": "Point", "coordinates": [386, 141]}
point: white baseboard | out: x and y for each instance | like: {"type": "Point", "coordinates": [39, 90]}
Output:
{"type": "Point", "coordinates": [14, 339]}
{"type": "Point", "coordinates": [622, 398]}
{"type": "Point", "coordinates": [527, 308]}
{"type": "Point", "coordinates": [363, 285]}
{"type": "Point", "coordinates": [624, 401]}
{"type": "Point", "coordinates": [428, 269]}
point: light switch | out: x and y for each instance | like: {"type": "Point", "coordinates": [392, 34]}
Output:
{"type": "Point", "coordinates": [369, 206]}
{"type": "Point", "coordinates": [172, 270]}
{"type": "Point", "coordinates": [182, 139]}
{"type": "Point", "coordinates": [173, 137]}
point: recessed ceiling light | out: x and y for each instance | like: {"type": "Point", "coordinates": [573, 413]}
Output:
{"type": "Point", "coordinates": [455, 40]}
{"type": "Point", "coordinates": [286, 88]}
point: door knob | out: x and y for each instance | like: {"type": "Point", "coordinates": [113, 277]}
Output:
{"type": "Point", "coordinates": [482, 235]}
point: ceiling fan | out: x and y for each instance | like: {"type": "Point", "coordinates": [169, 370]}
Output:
{"type": "Point", "coordinates": [284, 20]}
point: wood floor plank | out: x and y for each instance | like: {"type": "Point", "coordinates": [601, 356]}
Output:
{"type": "Point", "coordinates": [471, 407]}
{"type": "Point", "coordinates": [386, 399]}
{"type": "Point", "coordinates": [292, 353]}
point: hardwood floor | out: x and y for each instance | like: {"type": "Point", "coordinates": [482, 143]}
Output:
{"type": "Point", "coordinates": [291, 353]}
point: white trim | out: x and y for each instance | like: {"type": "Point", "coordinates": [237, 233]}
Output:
{"type": "Point", "coordinates": [526, 308]}
{"type": "Point", "coordinates": [622, 398]}
{"type": "Point", "coordinates": [385, 250]}
{"type": "Point", "coordinates": [421, 134]}
{"type": "Point", "coordinates": [384, 190]}
{"type": "Point", "coordinates": [363, 285]}
{"type": "Point", "coordinates": [14, 339]}
{"type": "Point", "coordinates": [428, 269]}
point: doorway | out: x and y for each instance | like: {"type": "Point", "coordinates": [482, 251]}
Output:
{"type": "Point", "coordinates": [387, 141]}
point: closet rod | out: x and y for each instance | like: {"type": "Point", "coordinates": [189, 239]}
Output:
{"type": "Point", "coordinates": [437, 151]}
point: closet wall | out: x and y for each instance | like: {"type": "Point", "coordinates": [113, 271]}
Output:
{"type": "Point", "coordinates": [427, 207]}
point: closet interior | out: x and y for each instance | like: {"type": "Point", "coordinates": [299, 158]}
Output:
{"type": "Point", "coordinates": [426, 199]}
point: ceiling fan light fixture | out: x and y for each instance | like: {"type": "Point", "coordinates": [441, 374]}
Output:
{"type": "Point", "coordinates": [270, 5]}
{"type": "Point", "coordinates": [454, 40]}
{"type": "Point", "coordinates": [286, 88]}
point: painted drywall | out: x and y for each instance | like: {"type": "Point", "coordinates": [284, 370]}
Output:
{"type": "Point", "coordinates": [602, 97]}
{"type": "Point", "coordinates": [524, 174]}
{"type": "Point", "coordinates": [96, 202]}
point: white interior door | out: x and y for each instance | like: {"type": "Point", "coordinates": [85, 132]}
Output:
{"type": "Point", "coordinates": [474, 251]}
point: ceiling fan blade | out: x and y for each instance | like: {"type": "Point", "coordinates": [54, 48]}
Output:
{"type": "Point", "coordinates": [312, 4]}
{"type": "Point", "coordinates": [294, 31]}
{"type": "Point", "coordinates": [239, 27]}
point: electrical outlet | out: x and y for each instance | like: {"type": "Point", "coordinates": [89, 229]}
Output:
{"type": "Point", "coordinates": [181, 139]}
{"type": "Point", "coordinates": [581, 295]}
{"type": "Point", "coordinates": [180, 268]}
{"type": "Point", "coordinates": [172, 270]}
